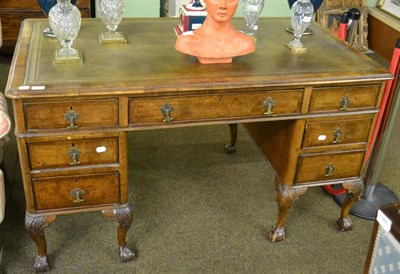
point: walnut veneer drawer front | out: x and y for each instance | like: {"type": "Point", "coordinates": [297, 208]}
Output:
{"type": "Point", "coordinates": [158, 110]}
{"type": "Point", "coordinates": [321, 133]}
{"type": "Point", "coordinates": [71, 114]}
{"type": "Point", "coordinates": [319, 167]}
{"type": "Point", "coordinates": [73, 153]}
{"type": "Point", "coordinates": [79, 191]}
{"type": "Point", "coordinates": [344, 98]}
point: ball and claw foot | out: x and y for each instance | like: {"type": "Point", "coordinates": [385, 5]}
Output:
{"type": "Point", "coordinates": [125, 254]}
{"type": "Point", "coordinates": [344, 224]}
{"type": "Point", "coordinates": [40, 265]}
{"type": "Point", "coordinates": [277, 234]}
{"type": "Point", "coordinates": [229, 149]}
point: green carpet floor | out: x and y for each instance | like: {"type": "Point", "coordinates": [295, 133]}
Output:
{"type": "Point", "coordinates": [196, 210]}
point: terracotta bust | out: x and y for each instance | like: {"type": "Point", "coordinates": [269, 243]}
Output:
{"type": "Point", "coordinates": [217, 40]}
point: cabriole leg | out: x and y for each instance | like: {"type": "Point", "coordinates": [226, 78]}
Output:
{"type": "Point", "coordinates": [34, 225]}
{"type": "Point", "coordinates": [285, 196]}
{"type": "Point", "coordinates": [354, 190]}
{"type": "Point", "coordinates": [123, 216]}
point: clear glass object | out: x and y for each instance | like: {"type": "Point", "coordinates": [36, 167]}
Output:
{"type": "Point", "coordinates": [111, 12]}
{"type": "Point", "coordinates": [316, 5]}
{"type": "Point", "coordinates": [65, 21]}
{"type": "Point", "coordinates": [300, 14]}
{"type": "Point", "coordinates": [251, 11]}
{"type": "Point", "coordinates": [46, 5]}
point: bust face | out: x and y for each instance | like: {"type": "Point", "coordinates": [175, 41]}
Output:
{"type": "Point", "coordinates": [221, 10]}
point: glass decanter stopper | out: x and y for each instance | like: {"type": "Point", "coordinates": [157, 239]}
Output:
{"type": "Point", "coordinates": [301, 14]}
{"type": "Point", "coordinates": [65, 21]}
{"type": "Point", "coordinates": [111, 12]}
{"type": "Point", "coordinates": [46, 5]}
{"type": "Point", "coordinates": [251, 11]}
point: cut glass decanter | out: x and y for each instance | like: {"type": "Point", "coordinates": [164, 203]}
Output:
{"type": "Point", "coordinates": [65, 21]}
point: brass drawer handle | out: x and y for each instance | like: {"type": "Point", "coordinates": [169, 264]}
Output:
{"type": "Point", "coordinates": [344, 103]}
{"type": "Point", "coordinates": [336, 135]}
{"type": "Point", "coordinates": [268, 104]}
{"type": "Point", "coordinates": [71, 116]}
{"type": "Point", "coordinates": [77, 193]}
{"type": "Point", "coordinates": [167, 109]}
{"type": "Point", "coordinates": [73, 154]}
{"type": "Point", "coordinates": [329, 169]}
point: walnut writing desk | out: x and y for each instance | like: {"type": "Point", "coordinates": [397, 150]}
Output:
{"type": "Point", "coordinates": [311, 114]}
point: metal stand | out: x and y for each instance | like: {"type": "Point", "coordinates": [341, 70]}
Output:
{"type": "Point", "coordinates": [376, 194]}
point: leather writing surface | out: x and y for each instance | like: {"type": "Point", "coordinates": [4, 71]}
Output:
{"type": "Point", "coordinates": [149, 60]}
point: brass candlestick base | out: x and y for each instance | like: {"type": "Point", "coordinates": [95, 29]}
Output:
{"type": "Point", "coordinates": [68, 56]}
{"type": "Point", "coordinates": [296, 49]}
{"type": "Point", "coordinates": [110, 38]}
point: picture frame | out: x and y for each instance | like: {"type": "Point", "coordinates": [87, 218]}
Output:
{"type": "Point", "coordinates": [341, 4]}
{"type": "Point", "coordinates": [392, 7]}
{"type": "Point", "coordinates": [330, 19]}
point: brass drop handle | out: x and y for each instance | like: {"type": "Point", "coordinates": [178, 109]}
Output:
{"type": "Point", "coordinates": [73, 154]}
{"type": "Point", "coordinates": [344, 103]}
{"type": "Point", "coordinates": [77, 193]}
{"type": "Point", "coordinates": [268, 104]}
{"type": "Point", "coordinates": [167, 109]}
{"type": "Point", "coordinates": [329, 169]}
{"type": "Point", "coordinates": [336, 135]}
{"type": "Point", "coordinates": [71, 116]}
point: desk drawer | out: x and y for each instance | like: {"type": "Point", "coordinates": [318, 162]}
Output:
{"type": "Point", "coordinates": [350, 98]}
{"type": "Point", "coordinates": [325, 133]}
{"type": "Point", "coordinates": [71, 114]}
{"type": "Point", "coordinates": [69, 153]}
{"type": "Point", "coordinates": [319, 167]}
{"type": "Point", "coordinates": [76, 191]}
{"type": "Point", "coordinates": [214, 107]}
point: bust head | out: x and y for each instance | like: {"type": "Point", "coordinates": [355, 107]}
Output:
{"type": "Point", "coordinates": [216, 41]}
{"type": "Point", "coordinates": [221, 10]}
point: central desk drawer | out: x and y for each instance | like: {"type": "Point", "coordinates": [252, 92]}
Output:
{"type": "Point", "coordinates": [69, 153]}
{"type": "Point", "coordinates": [214, 107]}
{"type": "Point", "coordinates": [349, 98]}
{"type": "Point", "coordinates": [318, 167]}
{"type": "Point", "coordinates": [76, 191]}
{"type": "Point", "coordinates": [71, 114]}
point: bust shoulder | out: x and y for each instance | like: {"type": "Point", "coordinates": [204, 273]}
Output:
{"type": "Point", "coordinates": [200, 44]}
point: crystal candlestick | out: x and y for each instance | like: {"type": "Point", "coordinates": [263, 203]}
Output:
{"type": "Point", "coordinates": [316, 5]}
{"type": "Point", "coordinates": [46, 5]}
{"type": "Point", "coordinates": [111, 12]}
{"type": "Point", "coordinates": [65, 21]}
{"type": "Point", "coordinates": [300, 14]}
{"type": "Point", "coordinates": [251, 11]}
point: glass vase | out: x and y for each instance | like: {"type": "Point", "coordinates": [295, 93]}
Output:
{"type": "Point", "coordinates": [111, 12]}
{"type": "Point", "coordinates": [316, 5]}
{"type": "Point", "coordinates": [300, 14]}
{"type": "Point", "coordinates": [65, 21]}
{"type": "Point", "coordinates": [251, 12]}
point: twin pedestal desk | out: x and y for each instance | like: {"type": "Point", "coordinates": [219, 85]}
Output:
{"type": "Point", "coordinates": [311, 114]}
